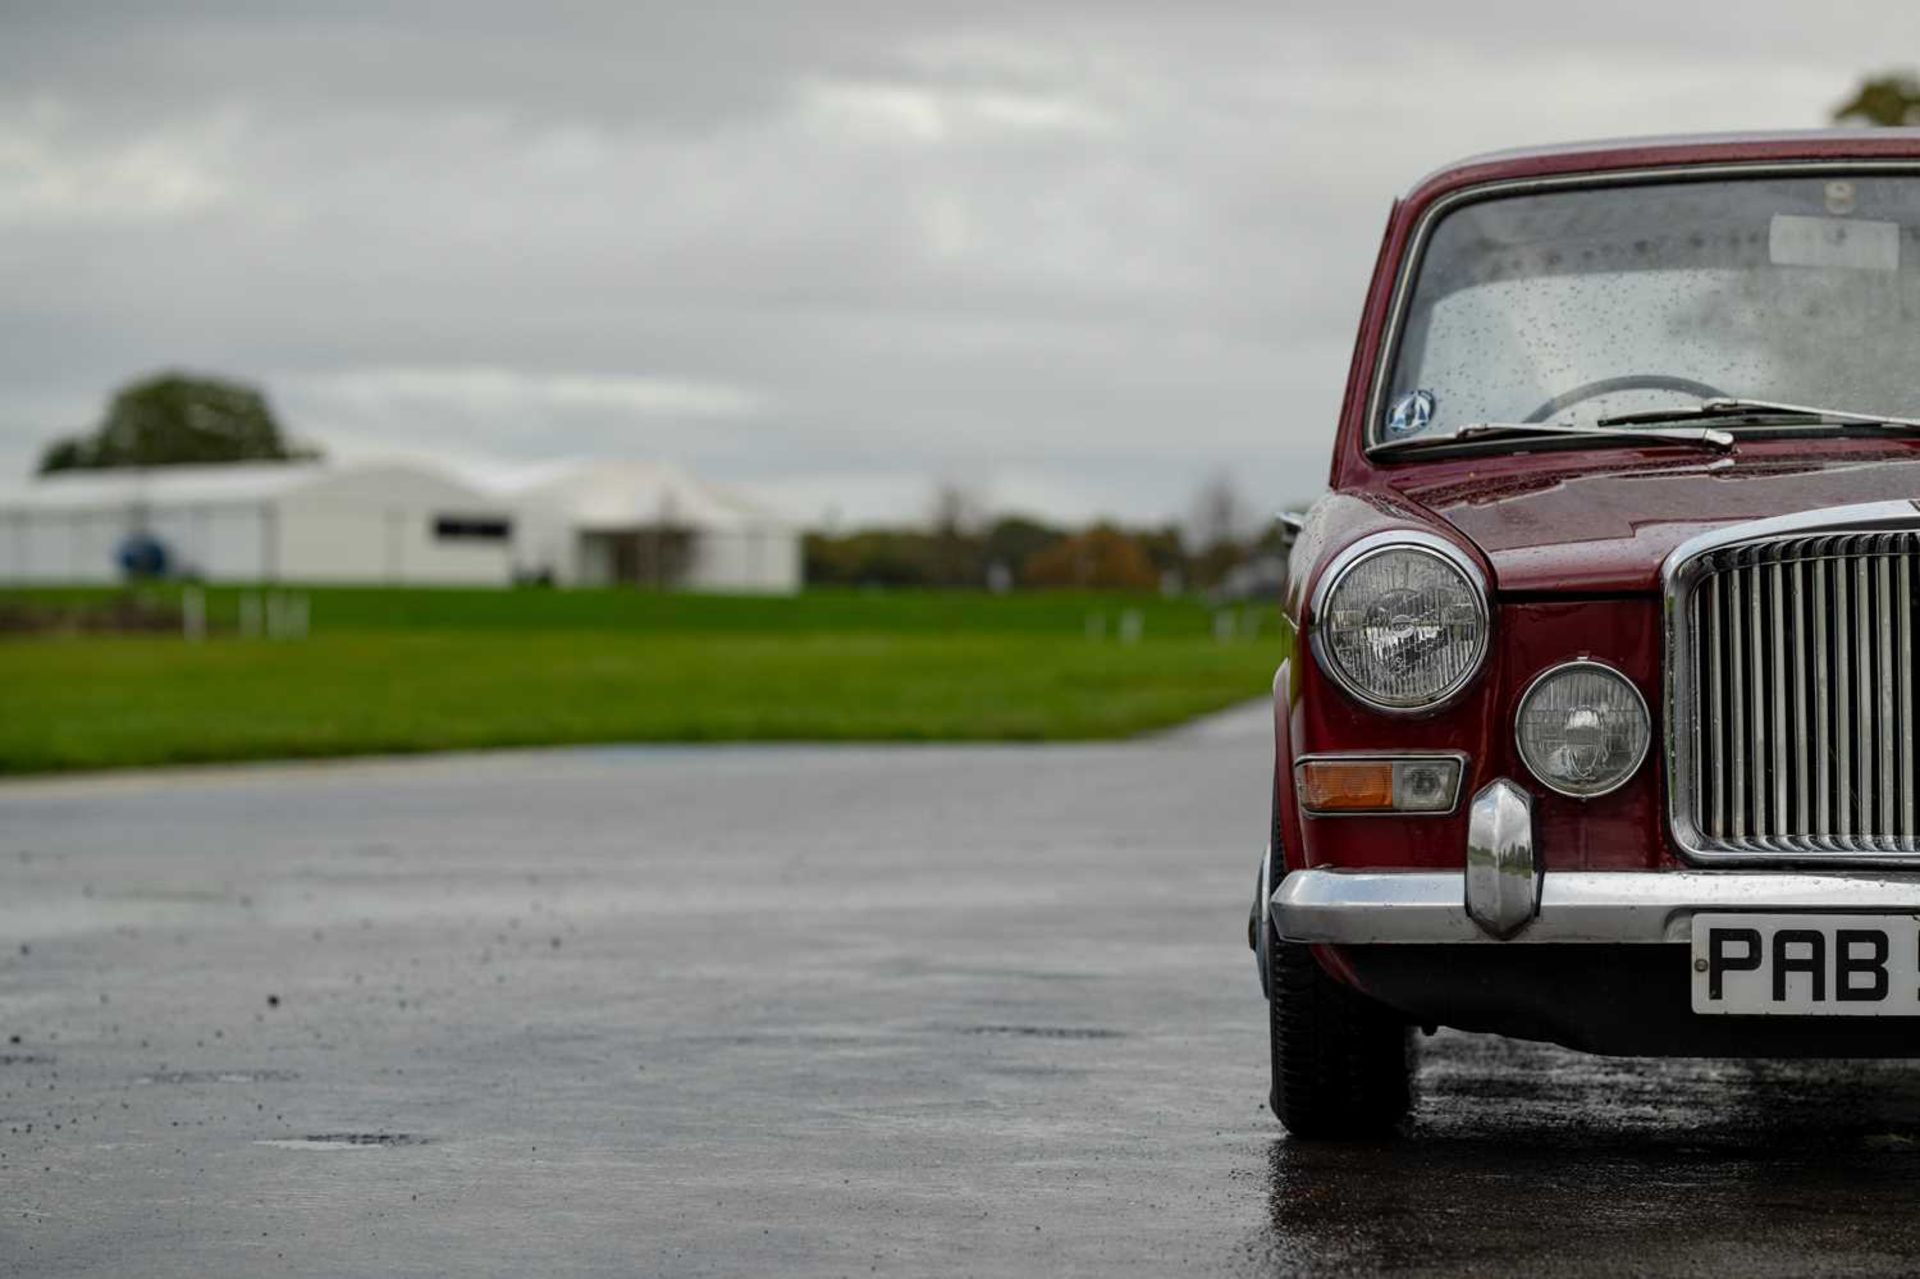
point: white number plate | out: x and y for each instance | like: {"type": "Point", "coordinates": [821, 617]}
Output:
{"type": "Point", "coordinates": [1807, 965]}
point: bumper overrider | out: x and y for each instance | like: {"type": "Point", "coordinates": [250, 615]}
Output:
{"type": "Point", "coordinates": [1506, 896]}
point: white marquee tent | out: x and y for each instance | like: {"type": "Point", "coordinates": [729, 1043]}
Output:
{"type": "Point", "coordinates": [648, 524]}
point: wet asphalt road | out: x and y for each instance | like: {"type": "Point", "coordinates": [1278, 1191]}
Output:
{"type": "Point", "coordinates": [806, 1011]}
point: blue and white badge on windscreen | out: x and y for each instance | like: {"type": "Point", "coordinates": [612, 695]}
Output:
{"type": "Point", "coordinates": [1411, 414]}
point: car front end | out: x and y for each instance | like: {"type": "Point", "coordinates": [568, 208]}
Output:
{"type": "Point", "coordinates": [1600, 726]}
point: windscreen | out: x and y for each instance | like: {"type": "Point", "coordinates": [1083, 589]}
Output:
{"type": "Point", "coordinates": [1576, 304]}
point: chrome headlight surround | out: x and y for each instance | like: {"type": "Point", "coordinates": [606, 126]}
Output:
{"type": "Point", "coordinates": [1639, 700]}
{"type": "Point", "coordinates": [1388, 542]}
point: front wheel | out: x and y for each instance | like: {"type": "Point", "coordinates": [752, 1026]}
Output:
{"type": "Point", "coordinates": [1343, 1066]}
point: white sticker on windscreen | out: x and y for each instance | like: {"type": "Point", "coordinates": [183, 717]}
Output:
{"type": "Point", "coordinates": [1794, 240]}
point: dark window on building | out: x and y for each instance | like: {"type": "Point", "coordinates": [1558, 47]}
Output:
{"type": "Point", "coordinates": [471, 528]}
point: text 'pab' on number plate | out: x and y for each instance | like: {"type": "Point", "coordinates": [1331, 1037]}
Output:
{"type": "Point", "coordinates": [1807, 965]}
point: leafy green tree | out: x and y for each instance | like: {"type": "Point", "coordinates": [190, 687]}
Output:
{"type": "Point", "coordinates": [1890, 100]}
{"type": "Point", "coordinates": [176, 419]}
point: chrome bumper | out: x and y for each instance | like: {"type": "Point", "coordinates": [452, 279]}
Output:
{"type": "Point", "coordinates": [1353, 907]}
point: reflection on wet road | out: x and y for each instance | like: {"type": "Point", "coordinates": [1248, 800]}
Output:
{"type": "Point", "coordinates": [920, 1011]}
{"type": "Point", "coordinates": [1530, 1160]}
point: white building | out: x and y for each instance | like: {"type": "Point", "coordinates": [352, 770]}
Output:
{"type": "Point", "coordinates": [649, 525]}
{"type": "Point", "coordinates": [291, 522]}
{"type": "Point", "coordinates": [588, 524]}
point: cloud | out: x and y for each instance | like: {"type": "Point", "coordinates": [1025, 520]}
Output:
{"type": "Point", "coordinates": [929, 115]}
{"type": "Point", "coordinates": [495, 391]}
{"type": "Point", "coordinates": [53, 174]}
{"type": "Point", "coordinates": [1083, 252]}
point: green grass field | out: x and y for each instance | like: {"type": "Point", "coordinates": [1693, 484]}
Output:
{"type": "Point", "coordinates": [418, 670]}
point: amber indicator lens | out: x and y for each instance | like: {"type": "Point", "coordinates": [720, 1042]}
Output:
{"type": "Point", "coordinates": [1420, 784]}
{"type": "Point", "coordinates": [1347, 786]}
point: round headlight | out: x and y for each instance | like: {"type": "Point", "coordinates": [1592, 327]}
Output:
{"type": "Point", "coordinates": [1402, 626]}
{"type": "Point", "coordinates": [1583, 729]}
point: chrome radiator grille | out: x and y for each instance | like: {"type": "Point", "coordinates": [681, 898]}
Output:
{"type": "Point", "coordinates": [1800, 710]}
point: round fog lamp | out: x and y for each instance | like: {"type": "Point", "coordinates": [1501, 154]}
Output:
{"type": "Point", "coordinates": [1583, 729]}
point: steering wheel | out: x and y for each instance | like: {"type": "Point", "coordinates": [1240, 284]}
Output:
{"type": "Point", "coordinates": [1624, 382]}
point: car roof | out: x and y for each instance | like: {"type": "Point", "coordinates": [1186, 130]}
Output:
{"type": "Point", "coordinates": [1601, 155]}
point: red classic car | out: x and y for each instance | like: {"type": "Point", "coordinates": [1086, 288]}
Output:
{"type": "Point", "coordinates": [1600, 726]}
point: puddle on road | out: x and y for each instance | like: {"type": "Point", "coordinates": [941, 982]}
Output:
{"type": "Point", "coordinates": [344, 1141]}
{"type": "Point", "coordinates": [219, 1077]}
{"type": "Point", "coordinates": [1046, 1032]}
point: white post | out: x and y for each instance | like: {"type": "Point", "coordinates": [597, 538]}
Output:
{"type": "Point", "coordinates": [193, 614]}
{"type": "Point", "coordinates": [1132, 623]}
{"type": "Point", "coordinates": [1222, 626]}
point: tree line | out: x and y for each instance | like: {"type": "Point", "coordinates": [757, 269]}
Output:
{"type": "Point", "coordinates": [1020, 551]}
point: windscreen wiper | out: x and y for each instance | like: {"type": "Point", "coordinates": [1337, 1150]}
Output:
{"type": "Point", "coordinates": [1733, 407]}
{"type": "Point", "coordinates": [1702, 437]}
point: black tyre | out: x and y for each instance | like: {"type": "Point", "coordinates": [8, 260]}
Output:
{"type": "Point", "coordinates": [1343, 1066]}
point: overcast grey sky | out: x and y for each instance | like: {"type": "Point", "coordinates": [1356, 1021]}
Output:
{"type": "Point", "coordinates": [1074, 255]}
